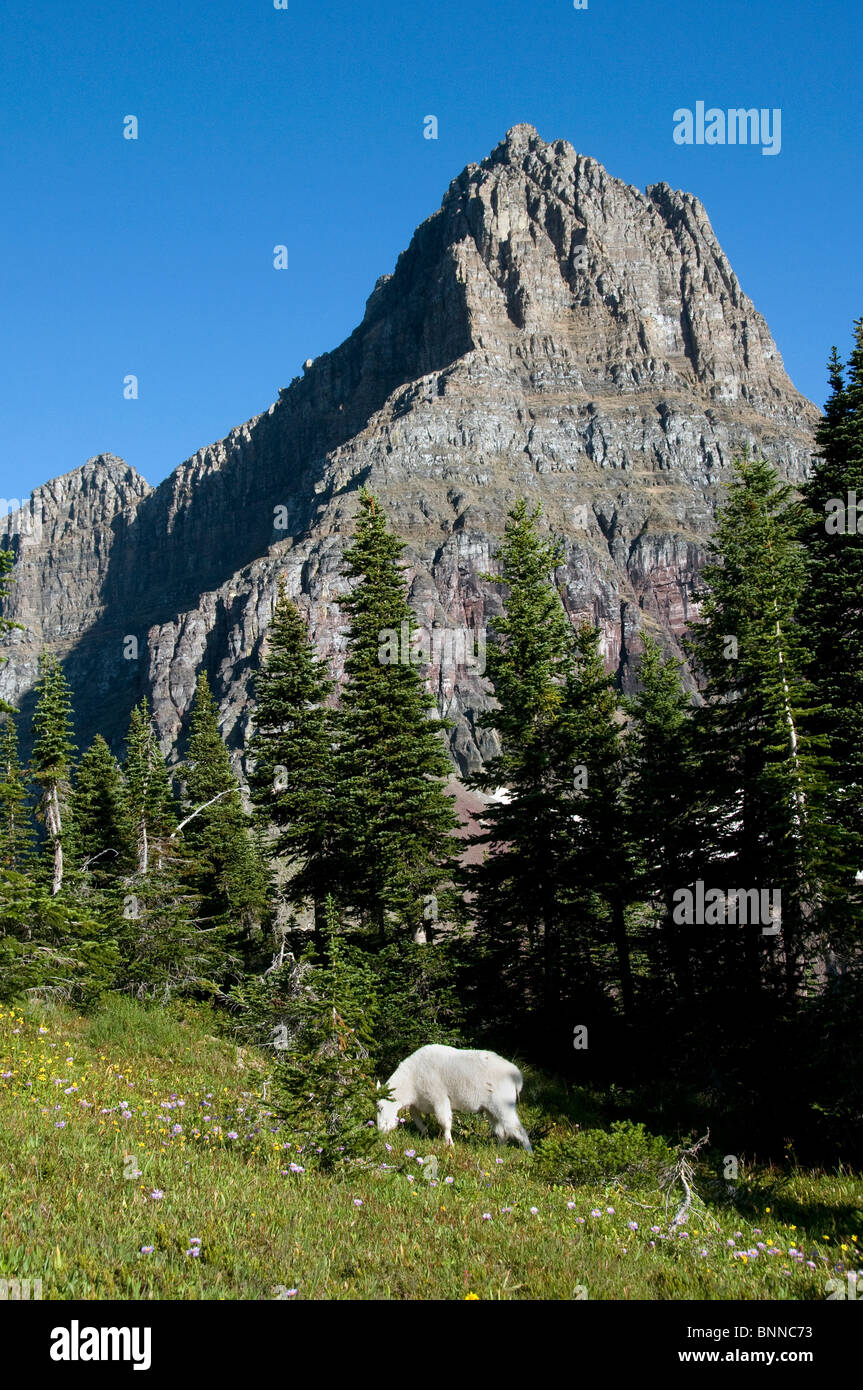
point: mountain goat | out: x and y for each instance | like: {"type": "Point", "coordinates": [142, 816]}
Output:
{"type": "Point", "coordinates": [437, 1080]}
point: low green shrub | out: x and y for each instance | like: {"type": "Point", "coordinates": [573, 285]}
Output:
{"type": "Point", "coordinates": [625, 1153]}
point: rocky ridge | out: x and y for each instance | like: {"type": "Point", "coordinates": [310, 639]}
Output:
{"type": "Point", "coordinates": [550, 332]}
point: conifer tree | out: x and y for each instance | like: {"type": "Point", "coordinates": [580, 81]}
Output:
{"type": "Point", "coordinates": [101, 814]}
{"type": "Point", "coordinates": [325, 1086]}
{"type": "Point", "coordinates": [762, 770]}
{"type": "Point", "coordinates": [16, 828]}
{"type": "Point", "coordinates": [292, 747]}
{"type": "Point", "coordinates": [597, 865]}
{"type": "Point", "coordinates": [149, 798]}
{"type": "Point", "coordinates": [831, 608]}
{"type": "Point", "coordinates": [422, 992]}
{"type": "Point", "coordinates": [521, 884]}
{"type": "Point", "coordinates": [660, 799]}
{"type": "Point", "coordinates": [51, 945]}
{"type": "Point", "coordinates": [51, 759]}
{"type": "Point", "coordinates": [168, 945]}
{"type": "Point", "coordinates": [167, 948]}
{"type": "Point", "coordinates": [216, 832]}
{"type": "Point", "coordinates": [393, 822]}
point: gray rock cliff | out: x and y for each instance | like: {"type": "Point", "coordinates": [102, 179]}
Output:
{"type": "Point", "coordinates": [551, 333]}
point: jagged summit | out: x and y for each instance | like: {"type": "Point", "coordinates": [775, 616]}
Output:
{"type": "Point", "coordinates": [97, 471]}
{"type": "Point", "coordinates": [524, 139]}
{"type": "Point", "coordinates": [518, 141]}
{"type": "Point", "coordinates": [522, 135]}
{"type": "Point", "coordinates": [549, 332]}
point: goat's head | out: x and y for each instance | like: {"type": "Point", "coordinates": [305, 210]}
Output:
{"type": "Point", "coordinates": [388, 1114]}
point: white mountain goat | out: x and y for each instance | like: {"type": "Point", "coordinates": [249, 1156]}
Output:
{"type": "Point", "coordinates": [437, 1080]}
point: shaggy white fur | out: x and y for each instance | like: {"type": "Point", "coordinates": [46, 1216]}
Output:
{"type": "Point", "coordinates": [436, 1080]}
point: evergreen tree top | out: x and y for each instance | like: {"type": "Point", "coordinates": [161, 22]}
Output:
{"type": "Point", "coordinates": [148, 782]}
{"type": "Point", "coordinates": [534, 644]}
{"type": "Point", "coordinates": [292, 675]}
{"type": "Point", "coordinates": [378, 601]}
{"type": "Point", "coordinates": [102, 831]}
{"type": "Point", "coordinates": [53, 748]}
{"type": "Point", "coordinates": [16, 831]}
{"type": "Point", "coordinates": [207, 770]}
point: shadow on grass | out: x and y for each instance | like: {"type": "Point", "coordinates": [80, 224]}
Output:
{"type": "Point", "coordinates": [769, 1200]}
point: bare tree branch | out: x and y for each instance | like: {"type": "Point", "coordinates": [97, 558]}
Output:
{"type": "Point", "coordinates": [197, 811]}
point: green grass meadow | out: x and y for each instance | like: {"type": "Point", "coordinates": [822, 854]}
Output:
{"type": "Point", "coordinates": [140, 1159]}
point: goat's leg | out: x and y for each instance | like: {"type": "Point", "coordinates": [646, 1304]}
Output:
{"type": "Point", "coordinates": [443, 1115]}
{"type": "Point", "coordinates": [497, 1123]}
{"type": "Point", "coordinates": [520, 1133]}
{"type": "Point", "coordinates": [514, 1129]}
{"type": "Point", "coordinates": [418, 1120]}
{"type": "Point", "coordinates": [507, 1126]}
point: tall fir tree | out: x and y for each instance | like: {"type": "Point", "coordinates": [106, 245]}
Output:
{"type": "Point", "coordinates": [229, 874]}
{"type": "Point", "coordinates": [51, 760]}
{"type": "Point", "coordinates": [102, 826]}
{"type": "Point", "coordinates": [324, 1081]}
{"type": "Point", "coordinates": [52, 946]}
{"type": "Point", "coordinates": [167, 946]}
{"type": "Point", "coordinates": [597, 864]}
{"type": "Point", "coordinates": [831, 608]}
{"type": "Point", "coordinates": [660, 798]}
{"type": "Point", "coordinates": [393, 822]}
{"type": "Point", "coordinates": [763, 775]}
{"type": "Point", "coordinates": [16, 827]}
{"type": "Point", "coordinates": [151, 808]}
{"type": "Point", "coordinates": [292, 750]}
{"type": "Point", "coordinates": [521, 883]}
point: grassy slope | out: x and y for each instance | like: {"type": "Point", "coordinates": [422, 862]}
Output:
{"type": "Point", "coordinates": [77, 1183]}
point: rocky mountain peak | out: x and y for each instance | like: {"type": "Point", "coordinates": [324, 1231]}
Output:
{"type": "Point", "coordinates": [549, 332]}
{"type": "Point", "coordinates": [104, 477]}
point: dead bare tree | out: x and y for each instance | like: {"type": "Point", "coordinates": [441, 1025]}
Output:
{"type": "Point", "coordinates": [682, 1172]}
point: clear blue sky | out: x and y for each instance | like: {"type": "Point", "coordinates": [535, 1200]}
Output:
{"type": "Point", "coordinates": [305, 127]}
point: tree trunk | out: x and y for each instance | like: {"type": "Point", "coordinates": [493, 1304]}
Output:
{"type": "Point", "coordinates": [54, 826]}
{"type": "Point", "coordinates": [143, 847]}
